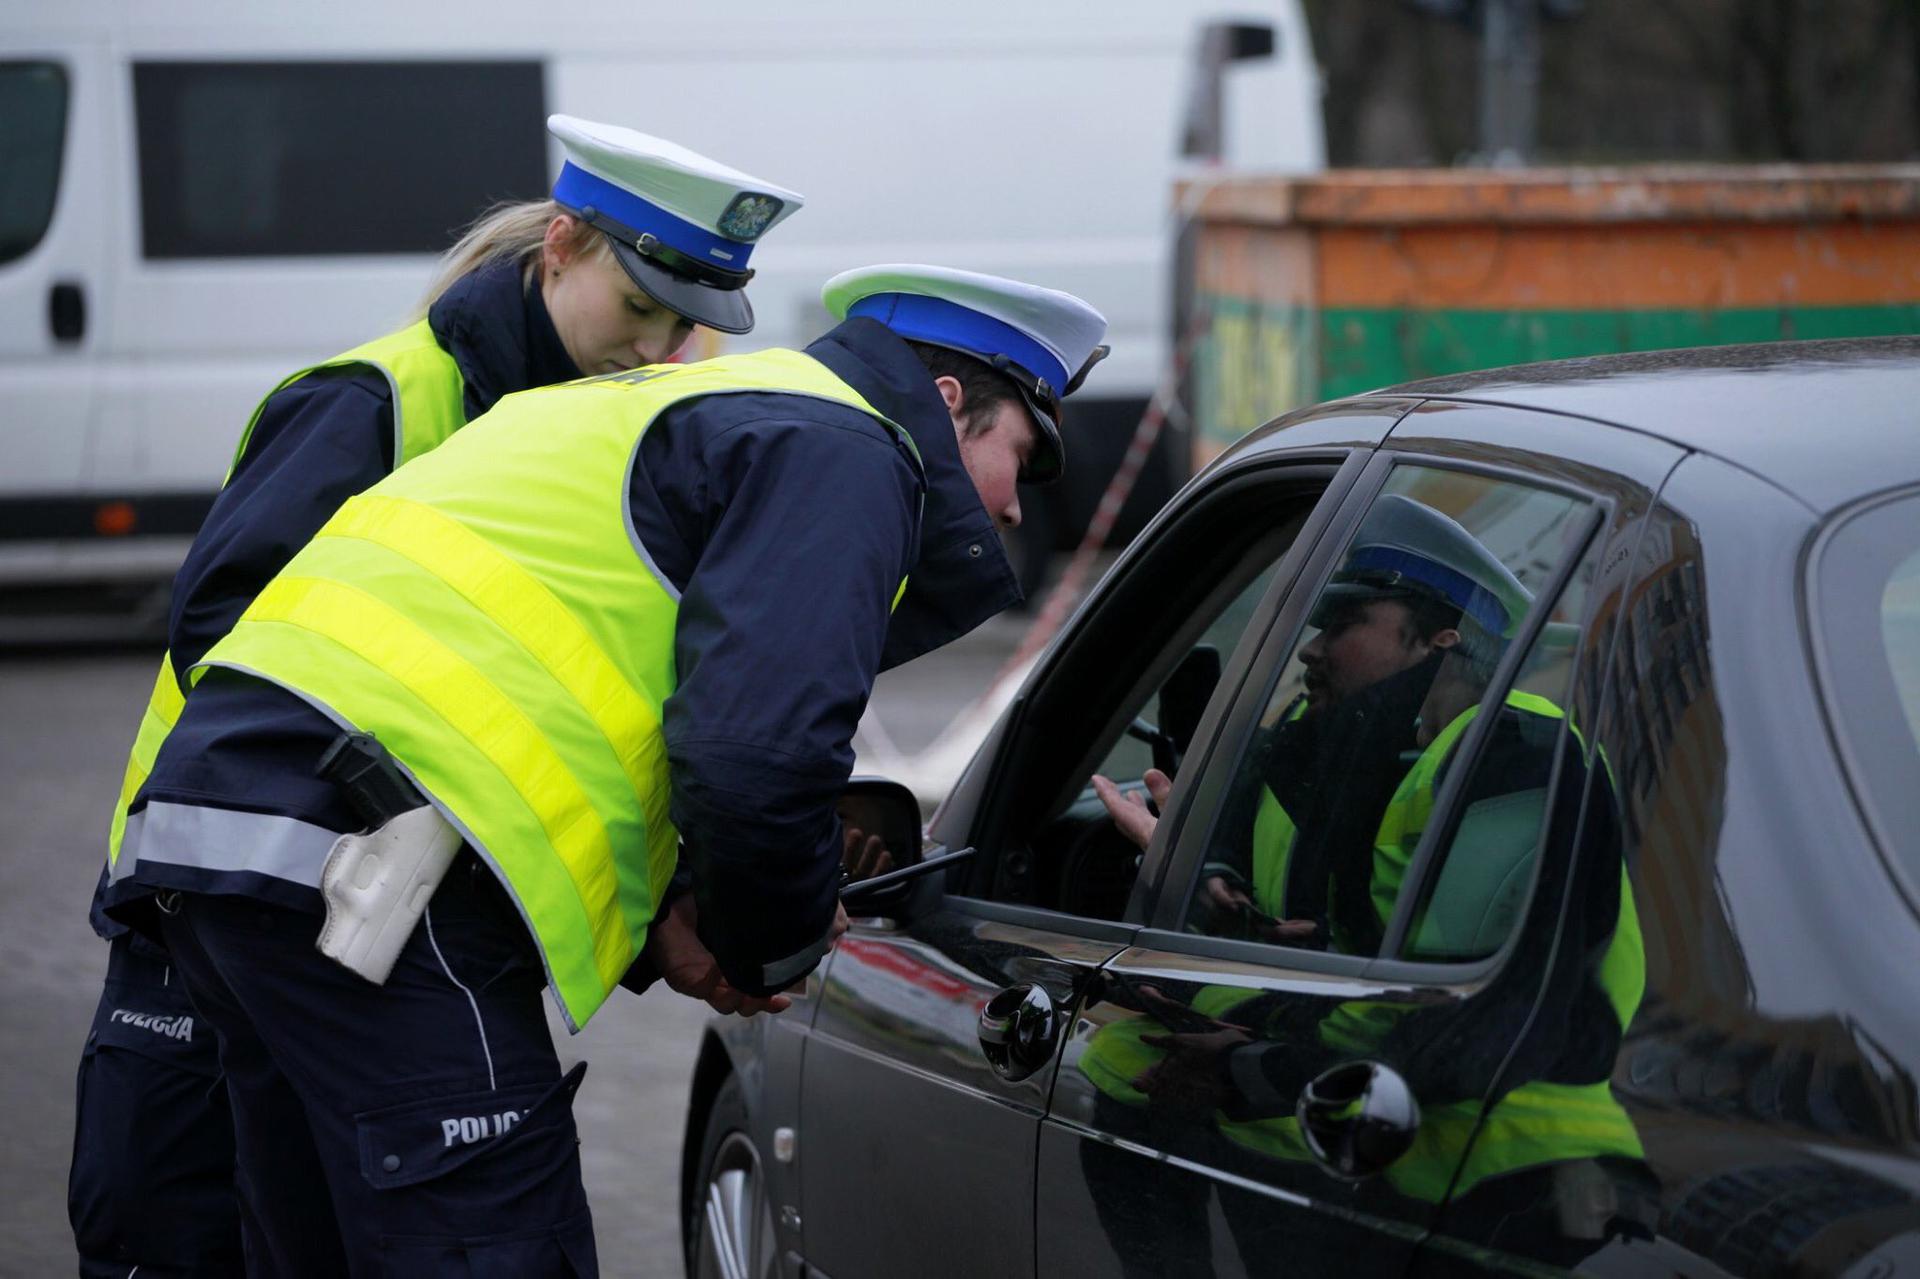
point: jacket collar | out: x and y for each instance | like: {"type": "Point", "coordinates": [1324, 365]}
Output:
{"type": "Point", "coordinates": [960, 575]}
{"type": "Point", "coordinates": [498, 331]}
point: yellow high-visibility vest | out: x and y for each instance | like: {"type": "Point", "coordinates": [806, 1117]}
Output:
{"type": "Point", "coordinates": [489, 616]}
{"type": "Point", "coordinates": [428, 406]}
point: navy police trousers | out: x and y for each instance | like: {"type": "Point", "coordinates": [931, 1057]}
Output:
{"type": "Point", "coordinates": [417, 1128]}
{"type": "Point", "coordinates": [151, 1187]}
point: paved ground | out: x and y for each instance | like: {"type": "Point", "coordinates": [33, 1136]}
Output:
{"type": "Point", "coordinates": [64, 727]}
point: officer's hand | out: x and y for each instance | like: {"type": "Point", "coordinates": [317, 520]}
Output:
{"type": "Point", "coordinates": [864, 856]}
{"type": "Point", "coordinates": [689, 968]}
{"type": "Point", "coordinates": [1129, 810]}
{"type": "Point", "coordinates": [1226, 897]}
{"type": "Point", "coordinates": [1189, 1079]}
{"type": "Point", "coordinates": [1291, 932]}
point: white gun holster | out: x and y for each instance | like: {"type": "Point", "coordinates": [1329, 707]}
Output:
{"type": "Point", "coordinates": [376, 886]}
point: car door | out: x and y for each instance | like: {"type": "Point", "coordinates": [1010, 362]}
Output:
{"type": "Point", "coordinates": [930, 1059]}
{"type": "Point", "coordinates": [1297, 1070]}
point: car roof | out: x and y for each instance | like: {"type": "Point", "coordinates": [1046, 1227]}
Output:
{"type": "Point", "coordinates": [1827, 421]}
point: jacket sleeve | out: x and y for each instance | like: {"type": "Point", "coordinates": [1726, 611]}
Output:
{"type": "Point", "coordinates": [782, 619]}
{"type": "Point", "coordinates": [317, 443]}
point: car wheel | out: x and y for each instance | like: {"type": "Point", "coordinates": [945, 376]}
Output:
{"type": "Point", "coordinates": [730, 1231]}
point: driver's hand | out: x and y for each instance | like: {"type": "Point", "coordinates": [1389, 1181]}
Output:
{"type": "Point", "coordinates": [1129, 811]}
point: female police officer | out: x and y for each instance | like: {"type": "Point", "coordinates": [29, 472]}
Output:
{"type": "Point", "coordinates": [534, 293]}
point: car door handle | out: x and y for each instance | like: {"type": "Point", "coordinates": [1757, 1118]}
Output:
{"type": "Point", "coordinates": [1019, 1029]}
{"type": "Point", "coordinates": [1358, 1118]}
{"type": "Point", "coordinates": [67, 311]}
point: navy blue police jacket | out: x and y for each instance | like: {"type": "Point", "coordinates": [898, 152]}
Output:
{"type": "Point", "coordinates": [786, 523]}
{"type": "Point", "coordinates": [330, 436]}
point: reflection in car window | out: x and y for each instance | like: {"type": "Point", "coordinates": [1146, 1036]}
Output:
{"type": "Point", "coordinates": [1478, 882]}
{"type": "Point", "coordinates": [33, 124]}
{"type": "Point", "coordinates": [1867, 606]}
{"type": "Point", "coordinates": [1900, 634]}
{"type": "Point", "coordinates": [1400, 647]}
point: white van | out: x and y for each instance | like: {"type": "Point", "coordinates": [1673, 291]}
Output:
{"type": "Point", "coordinates": [200, 195]}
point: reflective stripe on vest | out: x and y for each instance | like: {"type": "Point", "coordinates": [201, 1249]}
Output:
{"type": "Point", "coordinates": [428, 406]}
{"type": "Point", "coordinates": [489, 616]}
{"type": "Point", "coordinates": [1273, 835]}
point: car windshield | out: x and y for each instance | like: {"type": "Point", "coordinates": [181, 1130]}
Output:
{"type": "Point", "coordinates": [1866, 606]}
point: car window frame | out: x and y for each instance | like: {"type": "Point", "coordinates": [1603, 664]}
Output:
{"type": "Point", "coordinates": [1342, 466]}
{"type": "Point", "coordinates": [1233, 725]}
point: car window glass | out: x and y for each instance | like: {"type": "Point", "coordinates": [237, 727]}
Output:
{"type": "Point", "coordinates": [1126, 694]}
{"type": "Point", "coordinates": [1158, 732]}
{"type": "Point", "coordinates": [1478, 880]}
{"type": "Point", "coordinates": [242, 159]}
{"type": "Point", "coordinates": [33, 123]}
{"type": "Point", "coordinates": [1398, 645]}
{"type": "Point", "coordinates": [1900, 636]}
{"type": "Point", "coordinates": [1867, 609]}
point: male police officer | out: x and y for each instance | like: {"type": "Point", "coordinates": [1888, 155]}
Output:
{"type": "Point", "coordinates": [607, 616]}
{"type": "Point", "coordinates": [534, 293]}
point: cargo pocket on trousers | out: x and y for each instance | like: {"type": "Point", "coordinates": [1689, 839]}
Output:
{"type": "Point", "coordinates": [477, 1184]}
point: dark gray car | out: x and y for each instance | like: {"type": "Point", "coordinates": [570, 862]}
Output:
{"type": "Point", "coordinates": [1525, 917]}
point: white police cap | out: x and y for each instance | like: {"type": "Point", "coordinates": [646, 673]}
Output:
{"type": "Point", "coordinates": [682, 225]}
{"type": "Point", "coordinates": [1404, 547]}
{"type": "Point", "coordinates": [1043, 340]}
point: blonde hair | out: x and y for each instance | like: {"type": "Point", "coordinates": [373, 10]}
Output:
{"type": "Point", "coordinates": [513, 231]}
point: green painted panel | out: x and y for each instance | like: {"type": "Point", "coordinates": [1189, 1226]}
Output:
{"type": "Point", "coordinates": [1256, 361]}
{"type": "Point", "coordinates": [1253, 363]}
{"type": "Point", "coordinates": [1365, 348]}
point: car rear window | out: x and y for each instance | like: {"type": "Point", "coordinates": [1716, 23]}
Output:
{"type": "Point", "coordinates": [1866, 610]}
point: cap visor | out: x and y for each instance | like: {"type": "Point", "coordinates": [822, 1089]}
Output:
{"type": "Point", "coordinates": [1049, 453]}
{"type": "Point", "coordinates": [724, 309]}
{"type": "Point", "coordinates": [1335, 594]}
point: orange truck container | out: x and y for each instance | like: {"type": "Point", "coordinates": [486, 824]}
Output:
{"type": "Point", "coordinates": [1305, 289]}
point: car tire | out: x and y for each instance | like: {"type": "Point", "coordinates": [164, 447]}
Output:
{"type": "Point", "coordinates": [729, 1229]}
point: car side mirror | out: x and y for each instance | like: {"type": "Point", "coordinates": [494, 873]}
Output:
{"type": "Point", "coordinates": [876, 806]}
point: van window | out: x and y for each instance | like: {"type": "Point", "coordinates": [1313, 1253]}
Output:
{"type": "Point", "coordinates": [251, 159]}
{"type": "Point", "coordinates": [33, 125]}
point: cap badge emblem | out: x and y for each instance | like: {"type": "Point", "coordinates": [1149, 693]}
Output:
{"type": "Point", "coordinates": [748, 215]}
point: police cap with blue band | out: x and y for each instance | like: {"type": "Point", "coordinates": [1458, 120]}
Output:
{"type": "Point", "coordinates": [681, 225]}
{"type": "Point", "coordinates": [1405, 547]}
{"type": "Point", "coordinates": [1043, 341]}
